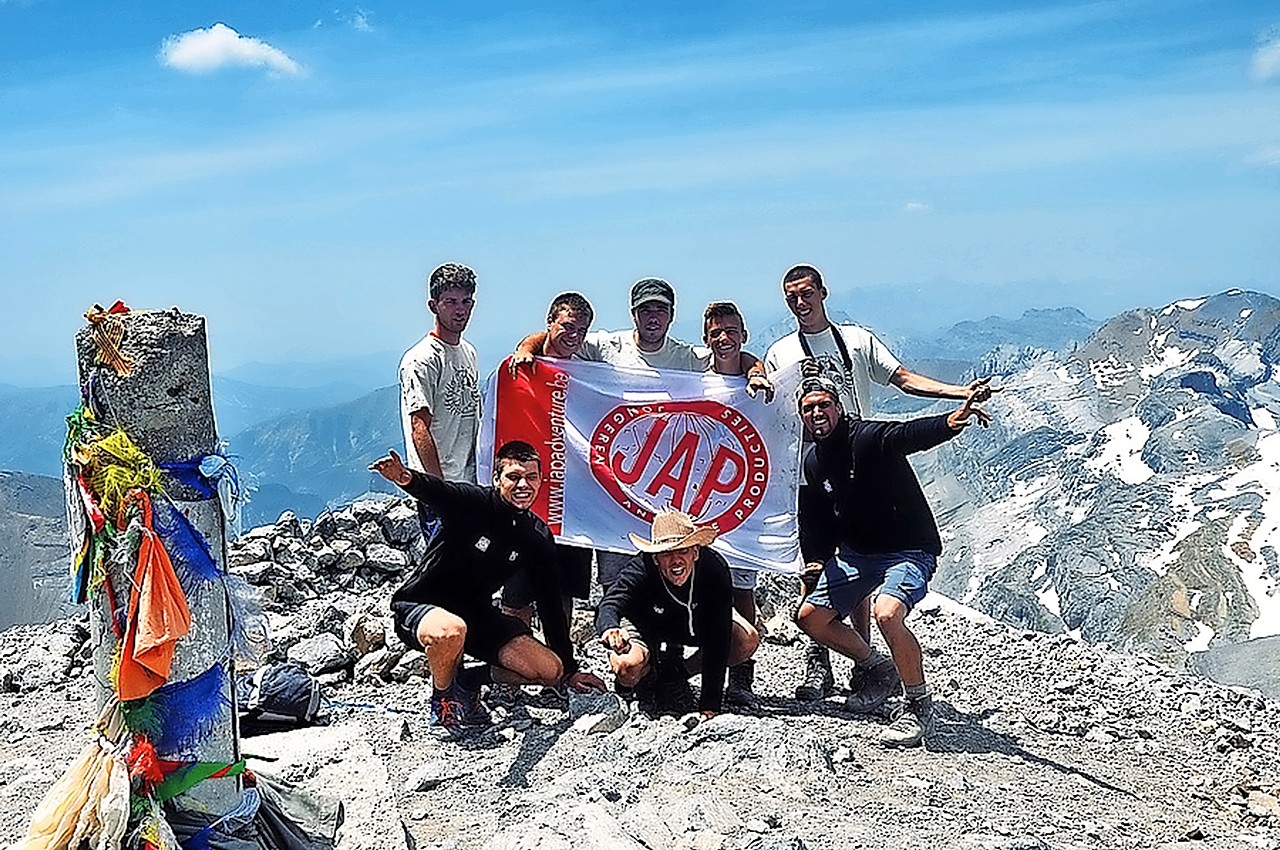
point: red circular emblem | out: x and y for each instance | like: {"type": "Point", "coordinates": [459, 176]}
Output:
{"type": "Point", "coordinates": [700, 457]}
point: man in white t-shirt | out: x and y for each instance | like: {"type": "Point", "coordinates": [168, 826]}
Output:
{"type": "Point", "coordinates": [439, 386]}
{"type": "Point", "coordinates": [852, 357]}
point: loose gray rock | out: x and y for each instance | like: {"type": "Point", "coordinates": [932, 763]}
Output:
{"type": "Point", "coordinates": [384, 558]}
{"type": "Point", "coordinates": [322, 653]}
{"type": "Point", "coordinates": [400, 525]}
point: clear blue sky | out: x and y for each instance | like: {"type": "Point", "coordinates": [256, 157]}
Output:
{"type": "Point", "coordinates": [295, 173]}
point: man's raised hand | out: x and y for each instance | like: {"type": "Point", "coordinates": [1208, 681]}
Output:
{"type": "Point", "coordinates": [980, 390]}
{"type": "Point", "coordinates": [390, 467]}
{"type": "Point", "coordinates": [958, 420]}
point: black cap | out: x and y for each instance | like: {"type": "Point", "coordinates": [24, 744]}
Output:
{"type": "Point", "coordinates": [648, 289]}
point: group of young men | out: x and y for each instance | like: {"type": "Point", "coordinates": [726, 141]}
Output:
{"type": "Point", "coordinates": [868, 538]}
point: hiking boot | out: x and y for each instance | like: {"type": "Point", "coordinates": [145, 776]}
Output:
{"type": "Point", "coordinates": [818, 682]}
{"type": "Point", "coordinates": [739, 693]}
{"type": "Point", "coordinates": [550, 697]}
{"type": "Point", "coordinates": [877, 684]}
{"type": "Point", "coordinates": [911, 724]}
{"type": "Point", "coordinates": [666, 689]}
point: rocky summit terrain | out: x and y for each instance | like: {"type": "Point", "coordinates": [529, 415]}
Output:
{"type": "Point", "coordinates": [1043, 741]}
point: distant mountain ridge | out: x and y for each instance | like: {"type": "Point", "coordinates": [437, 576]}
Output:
{"type": "Point", "coordinates": [34, 556]}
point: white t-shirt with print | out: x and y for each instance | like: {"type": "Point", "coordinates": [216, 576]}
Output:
{"type": "Point", "coordinates": [443, 380]}
{"type": "Point", "coordinates": [871, 360]}
{"type": "Point", "coordinates": [618, 348]}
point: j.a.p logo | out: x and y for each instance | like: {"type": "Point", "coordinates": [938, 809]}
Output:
{"type": "Point", "coordinates": [700, 457]}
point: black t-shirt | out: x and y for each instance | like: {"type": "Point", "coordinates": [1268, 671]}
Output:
{"type": "Point", "coordinates": [482, 542]}
{"type": "Point", "coordinates": [700, 613]}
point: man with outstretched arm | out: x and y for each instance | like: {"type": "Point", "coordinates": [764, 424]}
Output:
{"type": "Point", "coordinates": [852, 357]}
{"type": "Point", "coordinates": [866, 524]}
{"type": "Point", "coordinates": [674, 594]}
{"type": "Point", "coordinates": [445, 608]}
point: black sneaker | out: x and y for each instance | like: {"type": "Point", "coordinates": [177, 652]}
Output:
{"type": "Point", "coordinates": [818, 682]}
{"type": "Point", "coordinates": [739, 693]}
{"type": "Point", "coordinates": [474, 714]}
{"type": "Point", "coordinates": [445, 719]}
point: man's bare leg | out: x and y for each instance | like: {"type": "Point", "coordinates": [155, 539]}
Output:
{"type": "Point", "coordinates": [861, 619]}
{"type": "Point", "coordinates": [744, 602]}
{"type": "Point", "coordinates": [443, 634]}
{"type": "Point", "coordinates": [826, 627]}
{"type": "Point", "coordinates": [891, 616]}
{"type": "Point", "coordinates": [743, 642]}
{"type": "Point", "coordinates": [525, 661]}
{"type": "Point", "coordinates": [631, 666]}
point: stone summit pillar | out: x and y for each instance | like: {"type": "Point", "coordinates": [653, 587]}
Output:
{"type": "Point", "coordinates": [164, 405]}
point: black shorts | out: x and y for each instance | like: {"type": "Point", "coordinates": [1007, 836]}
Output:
{"type": "Point", "coordinates": [575, 578]}
{"type": "Point", "coordinates": [488, 629]}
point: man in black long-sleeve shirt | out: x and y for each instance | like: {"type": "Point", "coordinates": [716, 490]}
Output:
{"type": "Point", "coordinates": [445, 608]}
{"type": "Point", "coordinates": [677, 591]}
{"type": "Point", "coordinates": [863, 501]}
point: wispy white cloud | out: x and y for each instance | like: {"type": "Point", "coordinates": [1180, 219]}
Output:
{"type": "Point", "coordinates": [1268, 156]}
{"type": "Point", "coordinates": [1266, 59]}
{"type": "Point", "coordinates": [917, 207]}
{"type": "Point", "coordinates": [360, 20]}
{"type": "Point", "coordinates": [202, 51]}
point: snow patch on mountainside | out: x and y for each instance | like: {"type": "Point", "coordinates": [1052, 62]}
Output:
{"type": "Point", "coordinates": [1121, 455]}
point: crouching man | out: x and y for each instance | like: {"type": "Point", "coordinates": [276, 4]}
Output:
{"type": "Point", "coordinates": [446, 608]}
{"type": "Point", "coordinates": [675, 593]}
{"type": "Point", "coordinates": [866, 525]}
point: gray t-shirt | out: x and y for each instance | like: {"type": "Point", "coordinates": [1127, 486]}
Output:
{"type": "Point", "coordinates": [442, 379]}
{"type": "Point", "coordinates": [870, 360]}
{"type": "Point", "coordinates": [618, 348]}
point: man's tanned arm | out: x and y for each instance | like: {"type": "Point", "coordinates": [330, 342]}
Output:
{"type": "Point", "coordinates": [423, 443]}
{"type": "Point", "coordinates": [913, 383]}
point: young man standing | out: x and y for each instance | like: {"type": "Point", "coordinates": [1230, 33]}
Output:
{"type": "Point", "coordinates": [568, 320]}
{"type": "Point", "coordinates": [725, 332]}
{"type": "Point", "coordinates": [445, 607]}
{"type": "Point", "coordinates": [439, 387]}
{"type": "Point", "coordinates": [868, 529]}
{"type": "Point", "coordinates": [851, 357]}
{"type": "Point", "coordinates": [674, 594]}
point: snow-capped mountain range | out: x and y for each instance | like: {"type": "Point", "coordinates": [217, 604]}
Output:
{"type": "Point", "coordinates": [1129, 490]}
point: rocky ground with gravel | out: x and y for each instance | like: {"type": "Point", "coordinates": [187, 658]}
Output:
{"type": "Point", "coordinates": [1042, 742]}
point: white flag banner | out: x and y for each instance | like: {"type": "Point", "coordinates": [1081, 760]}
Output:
{"type": "Point", "coordinates": [618, 445]}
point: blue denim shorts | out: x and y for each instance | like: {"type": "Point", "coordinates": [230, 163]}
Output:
{"type": "Point", "coordinates": [850, 577]}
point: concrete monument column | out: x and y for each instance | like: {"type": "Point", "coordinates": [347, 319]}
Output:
{"type": "Point", "coordinates": [164, 405]}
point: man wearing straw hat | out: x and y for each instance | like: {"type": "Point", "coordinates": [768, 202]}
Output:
{"type": "Point", "coordinates": [675, 593]}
